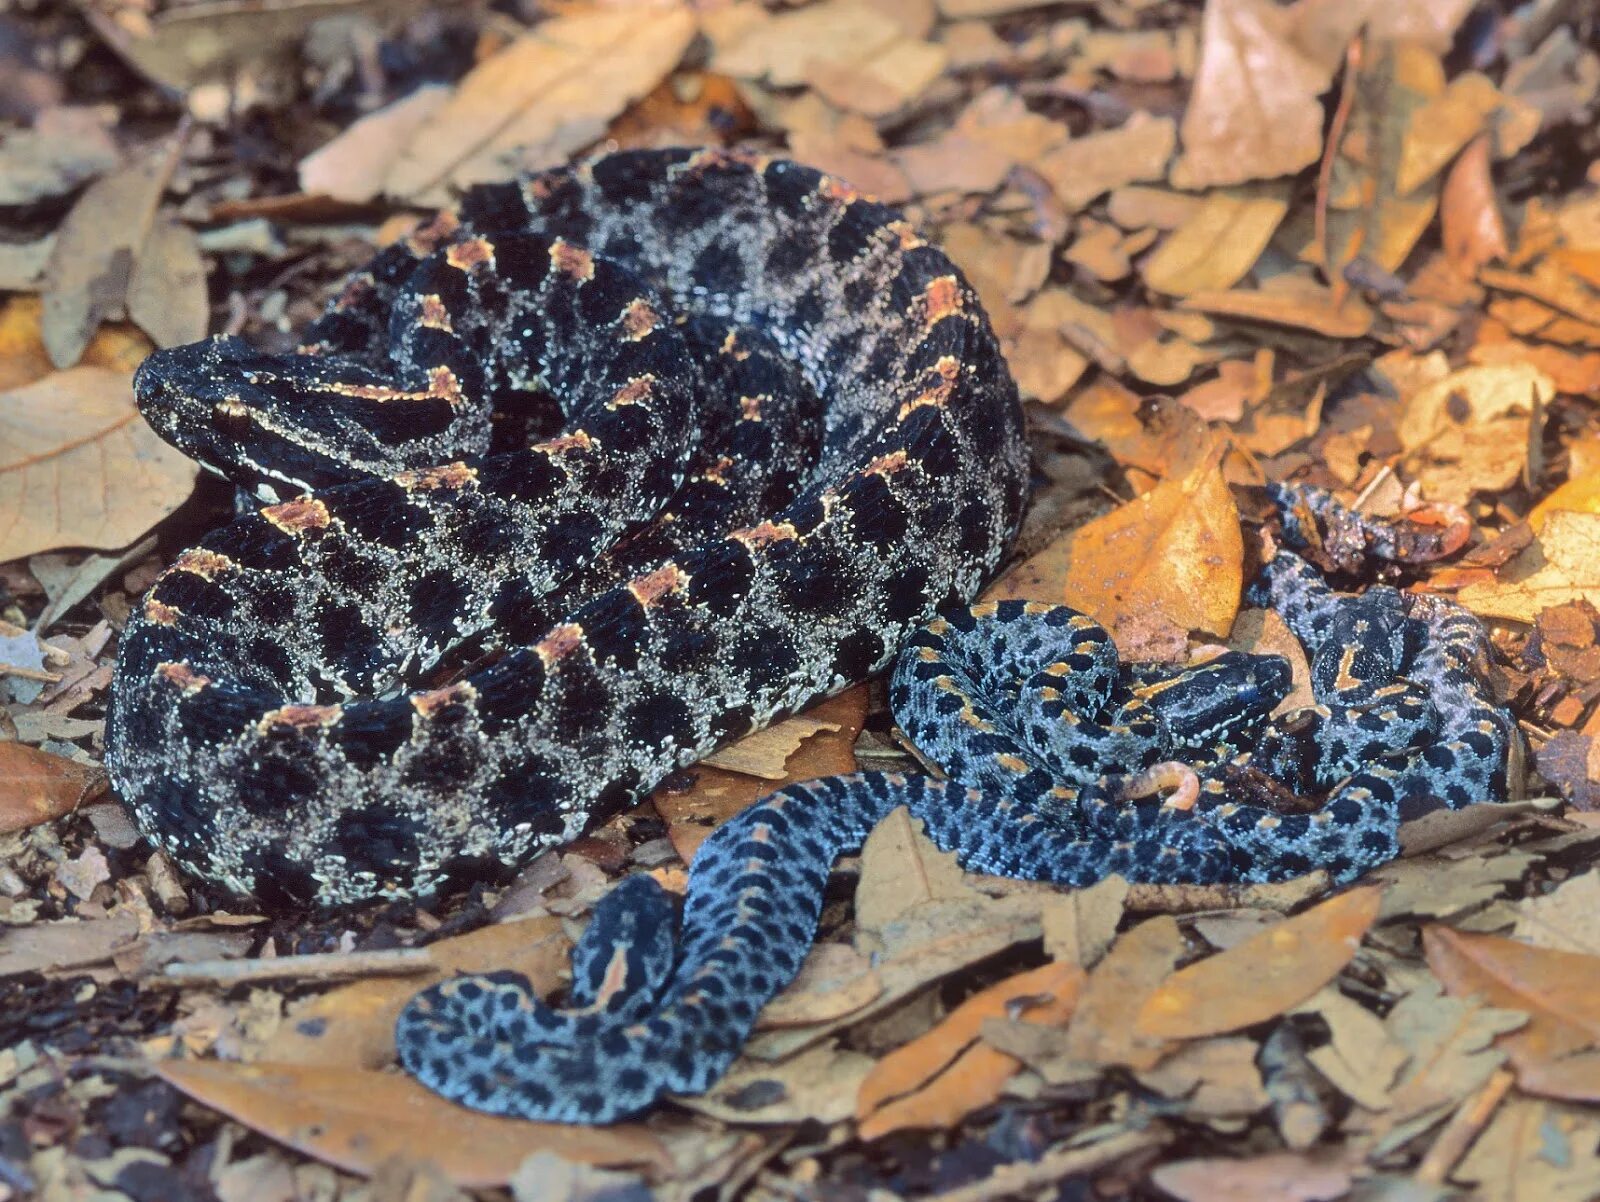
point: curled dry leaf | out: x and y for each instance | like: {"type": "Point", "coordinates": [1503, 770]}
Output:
{"type": "Point", "coordinates": [36, 786]}
{"type": "Point", "coordinates": [80, 467]}
{"type": "Point", "coordinates": [1285, 964]}
{"type": "Point", "coordinates": [355, 1120]}
{"type": "Point", "coordinates": [1254, 111]}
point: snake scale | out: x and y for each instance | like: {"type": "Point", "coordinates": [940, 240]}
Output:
{"type": "Point", "coordinates": [621, 462]}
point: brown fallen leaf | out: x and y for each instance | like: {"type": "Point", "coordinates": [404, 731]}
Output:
{"type": "Point", "coordinates": [96, 249]}
{"type": "Point", "coordinates": [36, 786]}
{"type": "Point", "coordinates": [1289, 301]}
{"type": "Point", "coordinates": [544, 97]}
{"type": "Point", "coordinates": [355, 1120]}
{"type": "Point", "coordinates": [1085, 167]}
{"type": "Point", "coordinates": [939, 1078]}
{"type": "Point", "coordinates": [1216, 245]}
{"type": "Point", "coordinates": [1561, 567]}
{"type": "Point", "coordinates": [1271, 1177]}
{"type": "Point", "coordinates": [1175, 553]}
{"type": "Point", "coordinates": [1285, 964]}
{"type": "Point", "coordinates": [1135, 967]}
{"type": "Point", "coordinates": [167, 290]}
{"type": "Point", "coordinates": [1254, 111]}
{"type": "Point", "coordinates": [353, 165]}
{"type": "Point", "coordinates": [80, 468]}
{"type": "Point", "coordinates": [1555, 1054]}
{"type": "Point", "coordinates": [1471, 225]}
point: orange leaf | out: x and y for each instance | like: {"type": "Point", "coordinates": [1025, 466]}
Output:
{"type": "Point", "coordinates": [1172, 557]}
{"type": "Point", "coordinates": [36, 786]}
{"type": "Point", "coordinates": [1284, 965]}
{"type": "Point", "coordinates": [1560, 992]}
{"type": "Point", "coordinates": [355, 1120]}
{"type": "Point", "coordinates": [923, 1059]}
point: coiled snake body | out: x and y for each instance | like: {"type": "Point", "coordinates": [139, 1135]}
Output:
{"type": "Point", "coordinates": [770, 432]}
{"type": "Point", "coordinates": [620, 464]}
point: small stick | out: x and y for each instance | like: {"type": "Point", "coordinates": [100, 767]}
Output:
{"type": "Point", "coordinates": [1464, 1126]}
{"type": "Point", "coordinates": [404, 961]}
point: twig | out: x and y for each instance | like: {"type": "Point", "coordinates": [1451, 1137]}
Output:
{"type": "Point", "coordinates": [1464, 1126]}
{"type": "Point", "coordinates": [1052, 1167]}
{"type": "Point", "coordinates": [404, 961]}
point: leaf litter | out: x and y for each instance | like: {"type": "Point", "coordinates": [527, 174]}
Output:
{"type": "Point", "coordinates": [1222, 245]}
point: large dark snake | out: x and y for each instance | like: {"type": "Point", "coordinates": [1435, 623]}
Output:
{"type": "Point", "coordinates": [622, 463]}
{"type": "Point", "coordinates": [599, 613]}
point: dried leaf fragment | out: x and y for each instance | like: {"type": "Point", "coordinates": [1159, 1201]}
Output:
{"type": "Point", "coordinates": [79, 467]}
{"type": "Point", "coordinates": [1254, 111]}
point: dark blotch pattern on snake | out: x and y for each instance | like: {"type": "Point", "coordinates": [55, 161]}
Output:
{"type": "Point", "coordinates": [618, 464]}
{"type": "Point", "coordinates": [1045, 738]}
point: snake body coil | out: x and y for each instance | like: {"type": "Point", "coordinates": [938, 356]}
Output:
{"type": "Point", "coordinates": [660, 448]}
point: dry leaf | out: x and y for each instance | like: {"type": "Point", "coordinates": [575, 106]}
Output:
{"type": "Point", "coordinates": [96, 248]}
{"type": "Point", "coordinates": [79, 467]}
{"type": "Point", "coordinates": [354, 1025]}
{"type": "Point", "coordinates": [975, 1074]}
{"type": "Point", "coordinates": [167, 291]}
{"type": "Point", "coordinates": [1272, 1177]}
{"type": "Point", "coordinates": [541, 99]}
{"type": "Point", "coordinates": [355, 1120]}
{"type": "Point", "coordinates": [1555, 1053]}
{"type": "Point", "coordinates": [1085, 167]}
{"type": "Point", "coordinates": [36, 786]}
{"type": "Point", "coordinates": [66, 147]}
{"type": "Point", "coordinates": [1368, 211]}
{"type": "Point", "coordinates": [1138, 962]}
{"type": "Point", "coordinates": [1216, 245]}
{"type": "Point", "coordinates": [1468, 432]}
{"type": "Point", "coordinates": [1174, 555]}
{"type": "Point", "coordinates": [352, 166]}
{"type": "Point", "coordinates": [1254, 111]}
{"type": "Point", "coordinates": [1289, 301]}
{"type": "Point", "coordinates": [1285, 964]}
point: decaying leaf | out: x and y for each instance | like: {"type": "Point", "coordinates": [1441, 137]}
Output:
{"type": "Point", "coordinates": [1254, 112]}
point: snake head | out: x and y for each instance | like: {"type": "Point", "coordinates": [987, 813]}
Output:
{"type": "Point", "coordinates": [283, 425]}
{"type": "Point", "coordinates": [1210, 700]}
